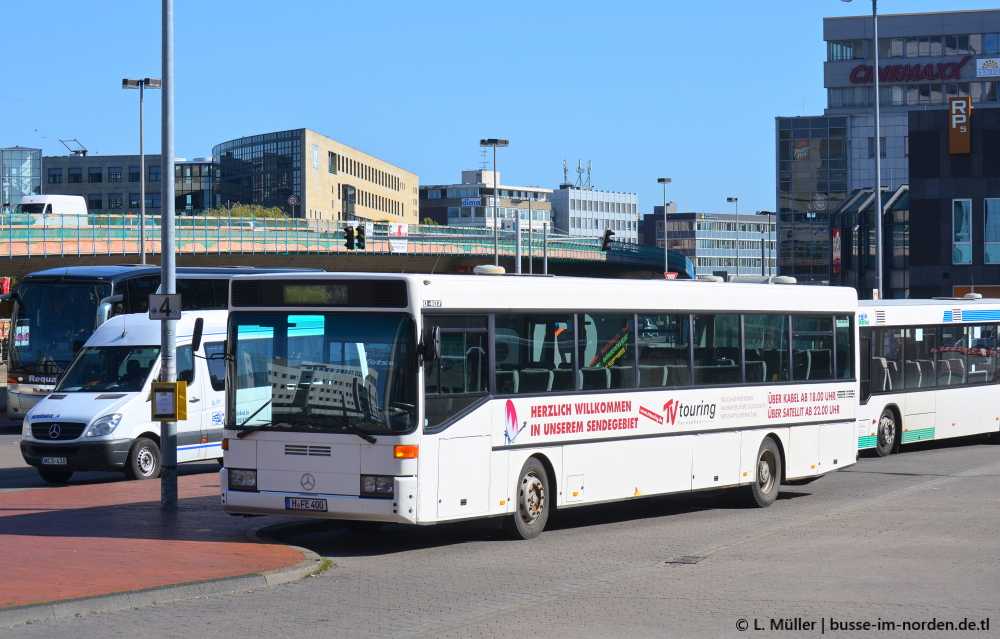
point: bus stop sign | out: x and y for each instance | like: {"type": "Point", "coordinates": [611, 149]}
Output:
{"type": "Point", "coordinates": [165, 307]}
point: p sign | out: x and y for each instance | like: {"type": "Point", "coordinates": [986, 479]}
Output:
{"type": "Point", "coordinates": [959, 125]}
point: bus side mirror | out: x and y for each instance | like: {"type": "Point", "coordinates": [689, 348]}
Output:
{"type": "Point", "coordinates": [199, 328]}
{"type": "Point", "coordinates": [431, 348]}
{"type": "Point", "coordinates": [104, 308]}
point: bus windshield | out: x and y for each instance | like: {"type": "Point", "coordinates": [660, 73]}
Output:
{"type": "Point", "coordinates": [52, 322]}
{"type": "Point", "coordinates": [323, 372]}
{"type": "Point", "coordinates": [110, 368]}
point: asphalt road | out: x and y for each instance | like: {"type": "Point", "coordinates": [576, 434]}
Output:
{"type": "Point", "coordinates": [910, 538]}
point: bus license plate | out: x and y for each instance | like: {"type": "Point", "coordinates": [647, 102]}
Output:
{"type": "Point", "coordinates": [53, 461]}
{"type": "Point", "coordinates": [297, 503]}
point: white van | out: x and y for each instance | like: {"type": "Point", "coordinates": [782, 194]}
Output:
{"type": "Point", "coordinates": [53, 210]}
{"type": "Point", "coordinates": [98, 416]}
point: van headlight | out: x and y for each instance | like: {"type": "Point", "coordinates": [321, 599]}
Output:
{"type": "Point", "coordinates": [26, 429]}
{"type": "Point", "coordinates": [242, 479]}
{"type": "Point", "coordinates": [104, 425]}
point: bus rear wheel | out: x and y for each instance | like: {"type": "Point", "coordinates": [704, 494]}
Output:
{"type": "Point", "coordinates": [762, 492]}
{"type": "Point", "coordinates": [886, 433]}
{"type": "Point", "coordinates": [531, 504]}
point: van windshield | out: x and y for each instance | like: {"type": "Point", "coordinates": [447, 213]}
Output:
{"type": "Point", "coordinates": [109, 368]}
{"type": "Point", "coordinates": [29, 209]}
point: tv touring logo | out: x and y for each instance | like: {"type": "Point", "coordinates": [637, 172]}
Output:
{"type": "Point", "coordinates": [674, 409]}
{"type": "Point", "coordinates": [511, 430]}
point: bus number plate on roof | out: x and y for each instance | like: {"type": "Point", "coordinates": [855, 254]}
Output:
{"type": "Point", "coordinates": [165, 306]}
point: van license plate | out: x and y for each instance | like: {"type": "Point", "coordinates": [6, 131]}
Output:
{"type": "Point", "coordinates": [53, 461]}
{"type": "Point", "coordinates": [297, 503]}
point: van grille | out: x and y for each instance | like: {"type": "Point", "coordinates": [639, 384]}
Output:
{"type": "Point", "coordinates": [65, 430]}
{"type": "Point", "coordinates": [308, 450]}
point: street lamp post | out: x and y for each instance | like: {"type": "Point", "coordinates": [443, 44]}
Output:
{"type": "Point", "coordinates": [145, 83]}
{"type": "Point", "coordinates": [878, 160]}
{"type": "Point", "coordinates": [517, 232]}
{"type": "Point", "coordinates": [495, 142]}
{"type": "Point", "coordinates": [764, 236]}
{"type": "Point", "coordinates": [736, 201]}
{"type": "Point", "coordinates": [666, 251]}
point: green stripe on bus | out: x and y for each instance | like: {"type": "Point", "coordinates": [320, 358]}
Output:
{"type": "Point", "coordinates": [918, 435]}
{"type": "Point", "coordinates": [867, 441]}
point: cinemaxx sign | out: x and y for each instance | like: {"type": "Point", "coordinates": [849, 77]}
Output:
{"type": "Point", "coordinates": [863, 74]}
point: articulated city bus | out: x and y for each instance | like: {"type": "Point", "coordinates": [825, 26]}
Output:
{"type": "Point", "coordinates": [57, 310]}
{"type": "Point", "coordinates": [432, 398]}
{"type": "Point", "coordinates": [928, 370]}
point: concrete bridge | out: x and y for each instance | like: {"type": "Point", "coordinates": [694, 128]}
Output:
{"type": "Point", "coordinates": [33, 243]}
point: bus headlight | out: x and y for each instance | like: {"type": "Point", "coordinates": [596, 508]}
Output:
{"type": "Point", "coordinates": [380, 486]}
{"type": "Point", "coordinates": [104, 425]}
{"type": "Point", "coordinates": [242, 479]}
{"type": "Point", "coordinates": [13, 386]}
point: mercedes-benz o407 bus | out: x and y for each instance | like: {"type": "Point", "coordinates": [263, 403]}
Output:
{"type": "Point", "coordinates": [928, 370]}
{"type": "Point", "coordinates": [433, 398]}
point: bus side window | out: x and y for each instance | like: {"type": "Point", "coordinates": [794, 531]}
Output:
{"type": "Point", "coordinates": [845, 347]}
{"type": "Point", "coordinates": [607, 357]}
{"type": "Point", "coordinates": [197, 295]}
{"type": "Point", "coordinates": [865, 352]}
{"type": "Point", "coordinates": [664, 351]}
{"type": "Point", "coordinates": [460, 378]}
{"type": "Point", "coordinates": [138, 292]}
{"type": "Point", "coordinates": [766, 341]}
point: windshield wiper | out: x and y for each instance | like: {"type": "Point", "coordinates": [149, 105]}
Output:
{"type": "Point", "coordinates": [246, 431]}
{"type": "Point", "coordinates": [357, 431]}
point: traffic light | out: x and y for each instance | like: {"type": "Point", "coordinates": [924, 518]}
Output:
{"type": "Point", "coordinates": [349, 238]}
{"type": "Point", "coordinates": [360, 234]}
{"type": "Point", "coordinates": [606, 242]}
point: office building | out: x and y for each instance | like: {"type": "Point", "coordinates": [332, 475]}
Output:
{"type": "Point", "coordinates": [20, 174]}
{"type": "Point", "coordinates": [471, 202]}
{"type": "Point", "coordinates": [330, 180]}
{"type": "Point", "coordinates": [587, 212]}
{"type": "Point", "coordinates": [924, 60]}
{"type": "Point", "coordinates": [709, 240]}
{"type": "Point", "coordinates": [110, 183]}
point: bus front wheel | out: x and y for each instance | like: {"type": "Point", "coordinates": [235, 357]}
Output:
{"type": "Point", "coordinates": [532, 502]}
{"type": "Point", "coordinates": [764, 489]}
{"type": "Point", "coordinates": [886, 432]}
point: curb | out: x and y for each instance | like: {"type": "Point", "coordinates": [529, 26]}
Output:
{"type": "Point", "coordinates": [112, 602]}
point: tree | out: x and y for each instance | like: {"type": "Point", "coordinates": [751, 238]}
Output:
{"type": "Point", "coordinates": [430, 221]}
{"type": "Point", "coordinates": [246, 210]}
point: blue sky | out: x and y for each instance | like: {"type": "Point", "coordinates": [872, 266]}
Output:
{"type": "Point", "coordinates": [687, 90]}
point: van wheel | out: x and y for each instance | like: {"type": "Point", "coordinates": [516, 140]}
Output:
{"type": "Point", "coordinates": [886, 433]}
{"type": "Point", "coordinates": [143, 460]}
{"type": "Point", "coordinates": [55, 476]}
{"type": "Point", "coordinates": [764, 490]}
{"type": "Point", "coordinates": [532, 502]}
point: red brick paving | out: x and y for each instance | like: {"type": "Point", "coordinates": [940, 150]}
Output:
{"type": "Point", "coordinates": [77, 541]}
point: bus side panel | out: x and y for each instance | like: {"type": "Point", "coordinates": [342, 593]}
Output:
{"type": "Point", "coordinates": [441, 463]}
{"type": "Point", "coordinates": [837, 445]}
{"type": "Point", "coordinates": [629, 468]}
{"type": "Point", "coordinates": [715, 460]}
{"type": "Point", "coordinates": [500, 482]}
{"type": "Point", "coordinates": [965, 415]}
{"type": "Point", "coordinates": [802, 452]}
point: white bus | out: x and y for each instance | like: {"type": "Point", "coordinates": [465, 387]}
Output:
{"type": "Point", "coordinates": [928, 370]}
{"type": "Point", "coordinates": [432, 398]}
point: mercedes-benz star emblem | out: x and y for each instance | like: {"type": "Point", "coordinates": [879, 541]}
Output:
{"type": "Point", "coordinates": [308, 481]}
{"type": "Point", "coordinates": [54, 431]}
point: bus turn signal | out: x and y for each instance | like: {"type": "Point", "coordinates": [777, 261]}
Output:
{"type": "Point", "coordinates": [404, 452]}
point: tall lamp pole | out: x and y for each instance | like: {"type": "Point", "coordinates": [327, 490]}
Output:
{"type": "Point", "coordinates": [878, 161]}
{"type": "Point", "coordinates": [495, 142]}
{"type": "Point", "coordinates": [736, 201]}
{"type": "Point", "coordinates": [765, 236]}
{"type": "Point", "coordinates": [147, 83]}
{"type": "Point", "coordinates": [168, 328]}
{"type": "Point", "coordinates": [666, 251]}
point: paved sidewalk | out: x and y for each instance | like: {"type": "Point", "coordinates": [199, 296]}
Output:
{"type": "Point", "coordinates": [80, 541]}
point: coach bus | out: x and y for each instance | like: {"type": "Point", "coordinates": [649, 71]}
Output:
{"type": "Point", "coordinates": [432, 398]}
{"type": "Point", "coordinates": [928, 370]}
{"type": "Point", "coordinates": [56, 311]}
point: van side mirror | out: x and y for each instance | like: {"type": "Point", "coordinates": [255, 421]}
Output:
{"type": "Point", "coordinates": [431, 347]}
{"type": "Point", "coordinates": [104, 307]}
{"type": "Point", "coordinates": [199, 328]}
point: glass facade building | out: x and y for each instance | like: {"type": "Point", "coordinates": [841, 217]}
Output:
{"type": "Point", "coordinates": [812, 181]}
{"type": "Point", "coordinates": [261, 169]}
{"type": "Point", "coordinates": [20, 174]}
{"type": "Point", "coordinates": [194, 184]}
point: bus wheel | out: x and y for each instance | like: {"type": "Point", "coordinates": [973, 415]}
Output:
{"type": "Point", "coordinates": [531, 503]}
{"type": "Point", "coordinates": [55, 476]}
{"type": "Point", "coordinates": [143, 460]}
{"type": "Point", "coordinates": [886, 432]}
{"type": "Point", "coordinates": [762, 492]}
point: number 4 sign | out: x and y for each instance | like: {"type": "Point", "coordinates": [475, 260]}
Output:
{"type": "Point", "coordinates": [165, 307]}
